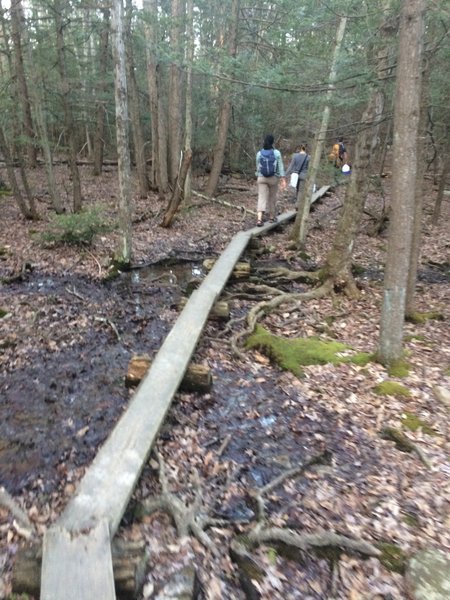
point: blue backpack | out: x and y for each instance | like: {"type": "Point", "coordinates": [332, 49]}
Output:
{"type": "Point", "coordinates": [267, 163]}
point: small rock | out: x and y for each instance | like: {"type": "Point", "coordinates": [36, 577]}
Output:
{"type": "Point", "coordinates": [428, 575]}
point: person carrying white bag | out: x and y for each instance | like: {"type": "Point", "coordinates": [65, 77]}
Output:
{"type": "Point", "coordinates": [297, 170]}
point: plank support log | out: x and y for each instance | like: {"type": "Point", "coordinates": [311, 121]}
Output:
{"type": "Point", "coordinates": [197, 378]}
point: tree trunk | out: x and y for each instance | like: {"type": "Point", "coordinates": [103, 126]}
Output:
{"type": "Point", "coordinates": [68, 115]}
{"type": "Point", "coordinates": [124, 251]}
{"type": "Point", "coordinates": [418, 195]}
{"type": "Point", "coordinates": [299, 229]}
{"type": "Point", "coordinates": [338, 262]}
{"type": "Point", "coordinates": [177, 193]}
{"type": "Point", "coordinates": [223, 120]}
{"type": "Point", "coordinates": [22, 87]}
{"type": "Point", "coordinates": [133, 92]}
{"type": "Point", "coordinates": [174, 110]}
{"type": "Point", "coordinates": [27, 210]}
{"type": "Point", "coordinates": [441, 190]}
{"type": "Point", "coordinates": [101, 87]}
{"type": "Point", "coordinates": [159, 175]}
{"type": "Point", "coordinates": [188, 104]}
{"type": "Point", "coordinates": [406, 120]}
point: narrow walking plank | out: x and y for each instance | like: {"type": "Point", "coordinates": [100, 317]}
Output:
{"type": "Point", "coordinates": [107, 485]}
{"type": "Point", "coordinates": [77, 566]}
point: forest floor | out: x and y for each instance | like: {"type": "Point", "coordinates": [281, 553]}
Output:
{"type": "Point", "coordinates": [67, 335]}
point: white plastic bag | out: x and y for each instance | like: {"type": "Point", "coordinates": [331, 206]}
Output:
{"type": "Point", "coordinates": [346, 169]}
{"type": "Point", "coordinates": [294, 180]}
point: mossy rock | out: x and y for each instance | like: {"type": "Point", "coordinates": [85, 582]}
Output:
{"type": "Point", "coordinates": [420, 318]}
{"type": "Point", "coordinates": [400, 440]}
{"type": "Point", "coordinates": [413, 423]}
{"type": "Point", "coordinates": [391, 388]}
{"type": "Point", "coordinates": [292, 354]}
{"type": "Point", "coordinates": [428, 575]}
{"type": "Point", "coordinates": [392, 557]}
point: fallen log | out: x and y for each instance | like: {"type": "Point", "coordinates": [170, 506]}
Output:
{"type": "Point", "coordinates": [197, 378]}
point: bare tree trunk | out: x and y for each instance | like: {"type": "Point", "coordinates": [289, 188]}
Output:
{"type": "Point", "coordinates": [174, 110]}
{"type": "Point", "coordinates": [223, 120]}
{"type": "Point", "coordinates": [22, 87]}
{"type": "Point", "coordinates": [135, 113]}
{"type": "Point", "coordinates": [441, 190]}
{"type": "Point", "coordinates": [188, 104]}
{"type": "Point", "coordinates": [338, 262]}
{"type": "Point", "coordinates": [418, 196]}
{"type": "Point", "coordinates": [68, 115]}
{"type": "Point", "coordinates": [299, 229]}
{"type": "Point", "coordinates": [406, 121]}
{"type": "Point", "coordinates": [28, 210]}
{"type": "Point", "coordinates": [177, 193]}
{"type": "Point", "coordinates": [99, 141]}
{"type": "Point", "coordinates": [159, 174]}
{"type": "Point", "coordinates": [124, 251]}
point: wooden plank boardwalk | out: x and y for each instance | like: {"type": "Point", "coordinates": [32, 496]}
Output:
{"type": "Point", "coordinates": [76, 559]}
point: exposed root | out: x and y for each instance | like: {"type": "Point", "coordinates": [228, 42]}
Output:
{"type": "Point", "coordinates": [294, 544]}
{"type": "Point", "coordinates": [284, 274]}
{"type": "Point", "coordinates": [188, 519]}
{"type": "Point", "coordinates": [268, 306]}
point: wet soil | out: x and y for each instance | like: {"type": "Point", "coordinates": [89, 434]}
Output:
{"type": "Point", "coordinates": [68, 335]}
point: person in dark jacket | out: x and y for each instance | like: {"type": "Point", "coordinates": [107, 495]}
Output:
{"type": "Point", "coordinates": [299, 165]}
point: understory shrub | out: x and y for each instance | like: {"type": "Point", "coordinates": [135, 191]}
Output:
{"type": "Point", "coordinates": [76, 229]}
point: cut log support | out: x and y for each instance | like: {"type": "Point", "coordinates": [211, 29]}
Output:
{"type": "Point", "coordinates": [240, 271]}
{"type": "Point", "coordinates": [219, 312]}
{"type": "Point", "coordinates": [197, 378]}
{"type": "Point", "coordinates": [129, 566]}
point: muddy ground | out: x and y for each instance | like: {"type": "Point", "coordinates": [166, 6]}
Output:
{"type": "Point", "coordinates": [67, 335]}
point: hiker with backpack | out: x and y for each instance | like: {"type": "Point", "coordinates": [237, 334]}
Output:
{"type": "Point", "coordinates": [269, 170]}
{"type": "Point", "coordinates": [338, 154]}
{"type": "Point", "coordinates": [297, 170]}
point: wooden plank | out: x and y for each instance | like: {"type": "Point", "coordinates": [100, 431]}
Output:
{"type": "Point", "coordinates": [107, 485]}
{"type": "Point", "coordinates": [77, 566]}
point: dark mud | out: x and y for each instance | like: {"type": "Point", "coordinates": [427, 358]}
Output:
{"type": "Point", "coordinates": [63, 388]}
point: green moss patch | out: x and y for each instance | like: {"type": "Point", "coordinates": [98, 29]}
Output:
{"type": "Point", "coordinates": [3, 313]}
{"type": "Point", "coordinates": [391, 388]}
{"type": "Point", "coordinates": [413, 423]}
{"type": "Point", "coordinates": [392, 557]}
{"type": "Point", "coordinates": [292, 354]}
{"type": "Point", "coordinates": [399, 368]}
{"type": "Point", "coordinates": [420, 318]}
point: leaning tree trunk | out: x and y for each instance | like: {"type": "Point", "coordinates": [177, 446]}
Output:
{"type": "Point", "coordinates": [68, 115]}
{"type": "Point", "coordinates": [225, 108]}
{"type": "Point", "coordinates": [124, 251]}
{"type": "Point", "coordinates": [406, 121]}
{"type": "Point", "coordinates": [101, 88]}
{"type": "Point", "coordinates": [299, 229]}
{"type": "Point", "coordinates": [338, 262]}
{"type": "Point", "coordinates": [177, 194]}
{"type": "Point", "coordinates": [22, 87]}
